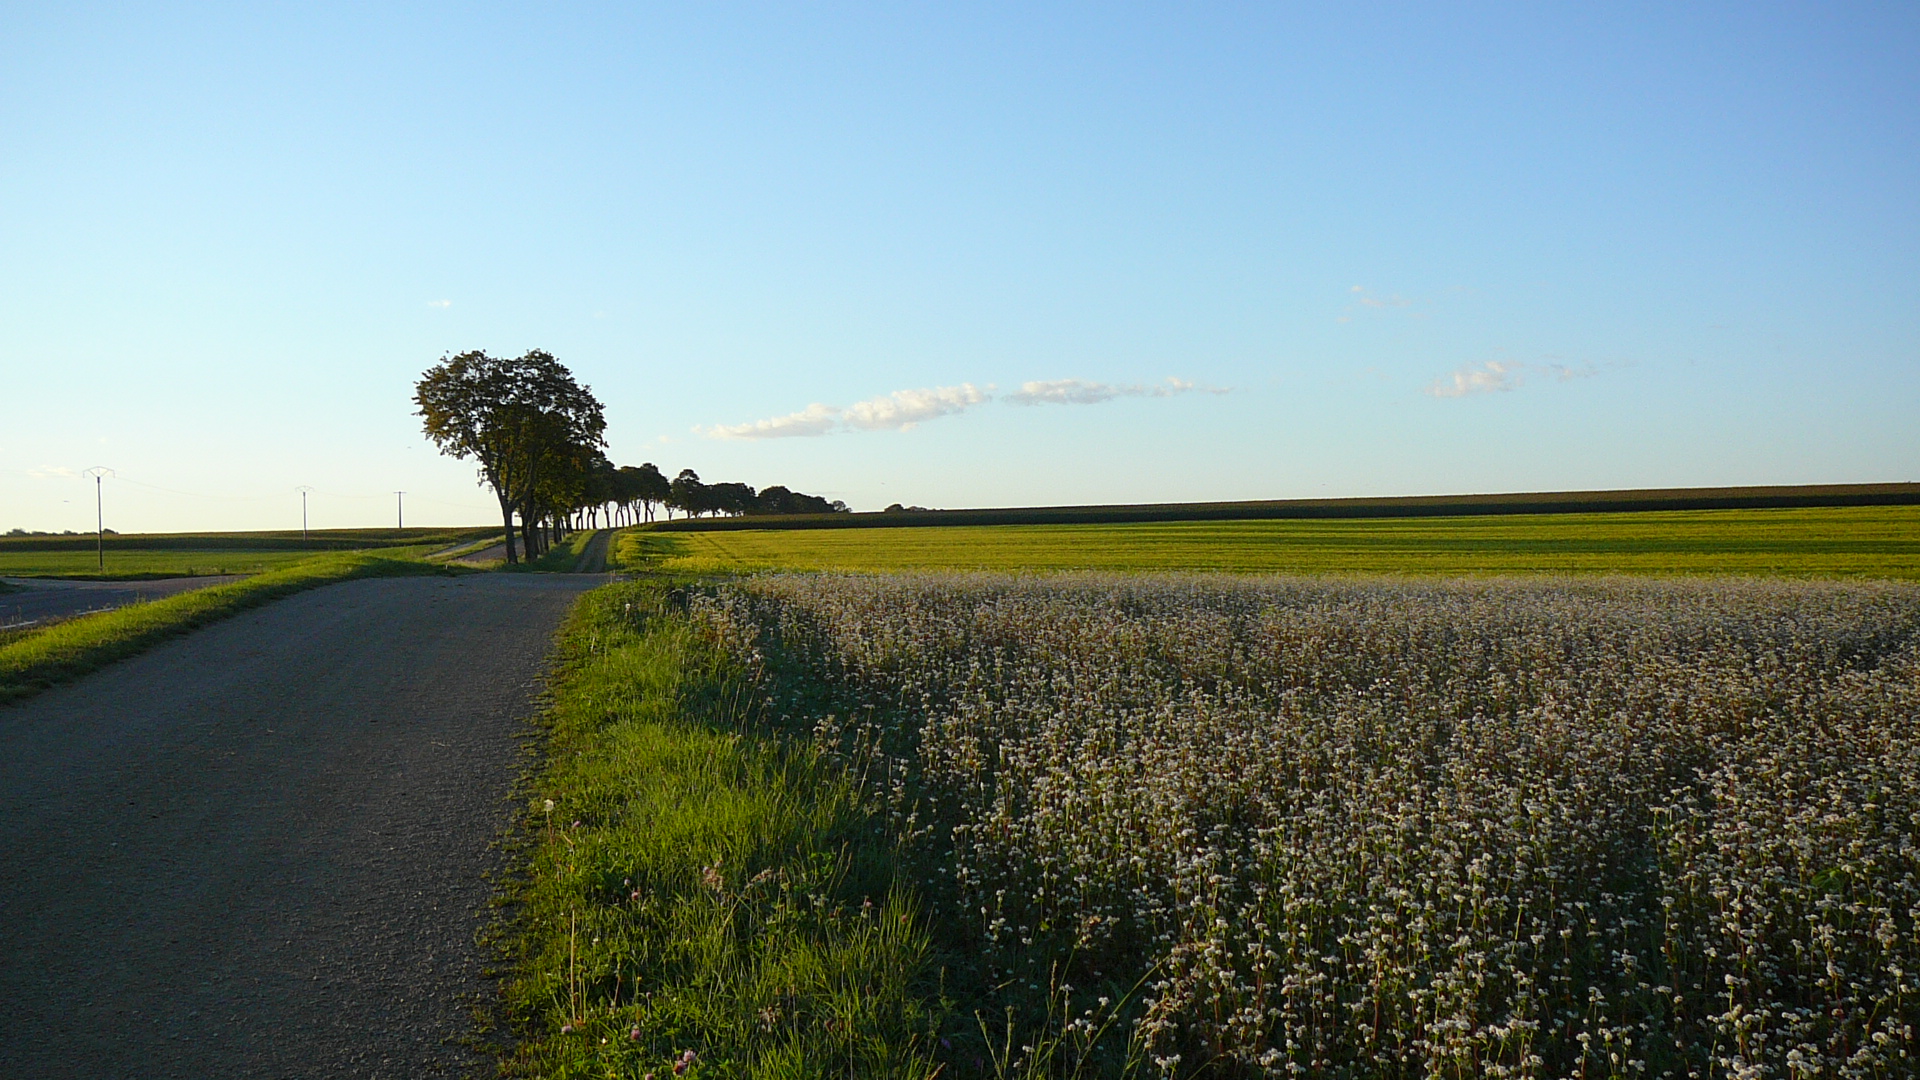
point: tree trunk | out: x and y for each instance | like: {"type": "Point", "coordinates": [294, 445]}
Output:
{"type": "Point", "coordinates": [506, 519]}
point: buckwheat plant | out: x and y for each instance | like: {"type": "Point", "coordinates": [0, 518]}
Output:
{"type": "Point", "coordinates": [1395, 828]}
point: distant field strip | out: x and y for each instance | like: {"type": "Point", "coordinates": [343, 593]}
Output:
{"type": "Point", "coordinates": [131, 564]}
{"type": "Point", "coordinates": [1838, 541]}
{"type": "Point", "coordinates": [188, 554]}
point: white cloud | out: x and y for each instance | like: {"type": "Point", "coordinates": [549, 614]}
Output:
{"type": "Point", "coordinates": [53, 472]}
{"type": "Point", "coordinates": [897, 411]}
{"type": "Point", "coordinates": [440, 303]}
{"type": "Point", "coordinates": [1367, 299]}
{"type": "Point", "coordinates": [902, 409]}
{"type": "Point", "coordinates": [1063, 392]}
{"type": "Point", "coordinates": [815, 419]}
{"type": "Point", "coordinates": [1487, 378]}
{"type": "Point", "coordinates": [1563, 373]}
{"type": "Point", "coordinates": [1083, 392]}
{"type": "Point", "coordinates": [1501, 375]}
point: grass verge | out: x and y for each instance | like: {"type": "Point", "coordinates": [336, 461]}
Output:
{"type": "Point", "coordinates": [68, 649]}
{"type": "Point", "coordinates": [563, 556]}
{"type": "Point", "coordinates": [702, 898]}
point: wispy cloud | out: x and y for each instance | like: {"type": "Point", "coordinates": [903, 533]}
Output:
{"type": "Point", "coordinates": [902, 409]}
{"type": "Point", "coordinates": [1366, 299]}
{"type": "Point", "coordinates": [815, 419]}
{"type": "Point", "coordinates": [1499, 376]}
{"type": "Point", "coordinates": [440, 303]}
{"type": "Point", "coordinates": [898, 411]}
{"type": "Point", "coordinates": [1491, 377]}
{"type": "Point", "coordinates": [1566, 373]}
{"type": "Point", "coordinates": [1363, 301]}
{"type": "Point", "coordinates": [53, 472]}
{"type": "Point", "coordinates": [1083, 392]}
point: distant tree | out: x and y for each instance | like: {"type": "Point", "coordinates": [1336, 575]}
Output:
{"type": "Point", "coordinates": [687, 493]}
{"type": "Point", "coordinates": [603, 491]}
{"type": "Point", "coordinates": [730, 498]}
{"type": "Point", "coordinates": [531, 427]}
{"type": "Point", "coordinates": [466, 406]}
{"type": "Point", "coordinates": [778, 499]}
{"type": "Point", "coordinates": [774, 500]}
{"type": "Point", "coordinates": [655, 488]}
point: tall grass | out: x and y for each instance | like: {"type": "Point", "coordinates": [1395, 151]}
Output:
{"type": "Point", "coordinates": [40, 658]}
{"type": "Point", "coordinates": [700, 899]}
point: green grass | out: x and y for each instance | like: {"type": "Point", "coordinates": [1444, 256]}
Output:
{"type": "Point", "coordinates": [561, 557]}
{"type": "Point", "coordinates": [153, 555]}
{"type": "Point", "coordinates": [132, 565]}
{"type": "Point", "coordinates": [1831, 541]}
{"type": "Point", "coordinates": [695, 885]}
{"type": "Point", "coordinates": [36, 659]}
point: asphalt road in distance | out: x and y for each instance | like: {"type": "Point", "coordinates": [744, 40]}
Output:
{"type": "Point", "coordinates": [43, 599]}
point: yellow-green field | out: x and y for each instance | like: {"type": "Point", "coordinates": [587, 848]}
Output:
{"type": "Point", "coordinates": [1836, 542]}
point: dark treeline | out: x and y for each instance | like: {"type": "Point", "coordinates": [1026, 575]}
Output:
{"type": "Point", "coordinates": [539, 437]}
{"type": "Point", "coordinates": [630, 494]}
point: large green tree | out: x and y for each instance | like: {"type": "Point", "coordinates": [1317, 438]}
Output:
{"type": "Point", "coordinates": [533, 429]}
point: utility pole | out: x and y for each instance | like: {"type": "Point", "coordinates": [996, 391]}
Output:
{"type": "Point", "coordinates": [99, 514]}
{"type": "Point", "coordinates": [303, 489]}
{"type": "Point", "coordinates": [399, 510]}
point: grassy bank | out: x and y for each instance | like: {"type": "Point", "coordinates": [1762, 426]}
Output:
{"type": "Point", "coordinates": [40, 658]}
{"type": "Point", "coordinates": [1877, 541]}
{"type": "Point", "coordinates": [696, 884]}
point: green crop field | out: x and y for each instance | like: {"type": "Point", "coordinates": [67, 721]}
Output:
{"type": "Point", "coordinates": [138, 564]}
{"type": "Point", "coordinates": [1873, 541]}
{"type": "Point", "coordinates": [153, 555]}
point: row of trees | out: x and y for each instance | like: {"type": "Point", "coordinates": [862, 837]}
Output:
{"type": "Point", "coordinates": [630, 494]}
{"type": "Point", "coordinates": [539, 438]}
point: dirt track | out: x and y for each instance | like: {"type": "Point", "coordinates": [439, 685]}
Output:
{"type": "Point", "coordinates": [263, 850]}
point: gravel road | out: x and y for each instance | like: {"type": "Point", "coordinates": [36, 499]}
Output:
{"type": "Point", "coordinates": [263, 850]}
{"type": "Point", "coordinates": [40, 599]}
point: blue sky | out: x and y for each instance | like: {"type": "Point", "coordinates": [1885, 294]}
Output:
{"type": "Point", "coordinates": [968, 255]}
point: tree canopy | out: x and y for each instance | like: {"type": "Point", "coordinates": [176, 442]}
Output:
{"type": "Point", "coordinates": [534, 430]}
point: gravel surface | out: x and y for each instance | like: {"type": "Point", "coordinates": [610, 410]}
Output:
{"type": "Point", "coordinates": [263, 850]}
{"type": "Point", "coordinates": [40, 599]}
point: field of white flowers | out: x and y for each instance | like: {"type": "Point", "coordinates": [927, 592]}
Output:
{"type": "Point", "coordinates": [1242, 827]}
